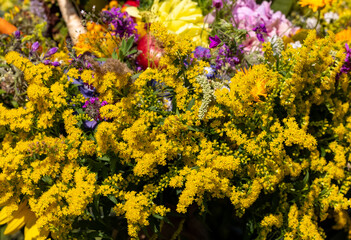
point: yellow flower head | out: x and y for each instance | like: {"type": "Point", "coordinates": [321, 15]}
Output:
{"type": "Point", "coordinates": [182, 17]}
{"type": "Point", "coordinates": [315, 4]}
{"type": "Point", "coordinates": [343, 36]}
{"type": "Point", "coordinates": [97, 40]}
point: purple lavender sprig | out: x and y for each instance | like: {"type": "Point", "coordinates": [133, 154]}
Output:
{"type": "Point", "coordinates": [226, 56]}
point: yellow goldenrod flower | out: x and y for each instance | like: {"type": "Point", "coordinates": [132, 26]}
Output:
{"type": "Point", "coordinates": [315, 4]}
{"type": "Point", "coordinates": [182, 17]}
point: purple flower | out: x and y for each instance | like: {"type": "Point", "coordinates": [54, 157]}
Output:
{"type": "Point", "coordinates": [346, 67]}
{"type": "Point", "coordinates": [90, 124]}
{"type": "Point", "coordinates": [37, 7]}
{"type": "Point", "coordinates": [55, 64]}
{"type": "Point", "coordinates": [47, 62]}
{"type": "Point", "coordinates": [92, 109]}
{"type": "Point", "coordinates": [214, 41]}
{"type": "Point", "coordinates": [35, 47]}
{"type": "Point", "coordinates": [51, 51]}
{"type": "Point", "coordinates": [201, 52]}
{"type": "Point", "coordinates": [247, 14]}
{"type": "Point", "coordinates": [17, 34]}
{"type": "Point", "coordinates": [226, 56]}
{"type": "Point", "coordinates": [259, 30]}
{"type": "Point", "coordinates": [123, 24]}
{"type": "Point", "coordinates": [218, 4]}
{"type": "Point", "coordinates": [210, 72]}
{"type": "Point", "coordinates": [85, 89]}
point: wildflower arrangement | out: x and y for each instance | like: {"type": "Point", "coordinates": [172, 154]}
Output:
{"type": "Point", "coordinates": [166, 120]}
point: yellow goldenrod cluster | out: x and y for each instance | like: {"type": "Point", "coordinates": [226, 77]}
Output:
{"type": "Point", "coordinates": [275, 142]}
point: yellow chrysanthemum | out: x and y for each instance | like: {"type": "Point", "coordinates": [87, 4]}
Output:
{"type": "Point", "coordinates": [315, 4]}
{"type": "Point", "coordinates": [182, 17]}
{"type": "Point", "coordinates": [22, 217]}
{"type": "Point", "coordinates": [343, 36]}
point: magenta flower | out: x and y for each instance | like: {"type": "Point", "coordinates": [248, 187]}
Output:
{"type": "Point", "coordinates": [218, 4]}
{"type": "Point", "coordinates": [214, 41]}
{"type": "Point", "coordinates": [259, 30]}
{"type": "Point", "coordinates": [346, 67]}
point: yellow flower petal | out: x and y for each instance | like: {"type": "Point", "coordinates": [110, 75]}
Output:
{"type": "Point", "coordinates": [133, 11]}
{"type": "Point", "coordinates": [19, 220]}
{"type": "Point", "coordinates": [6, 215]}
{"type": "Point", "coordinates": [31, 230]}
{"type": "Point", "coordinates": [182, 17]}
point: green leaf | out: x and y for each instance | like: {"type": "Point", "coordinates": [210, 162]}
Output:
{"type": "Point", "coordinates": [47, 179]}
{"type": "Point", "coordinates": [192, 129]}
{"type": "Point", "coordinates": [14, 103]}
{"type": "Point", "coordinates": [131, 52]}
{"type": "Point", "coordinates": [104, 158]}
{"type": "Point", "coordinates": [282, 5]}
{"type": "Point", "coordinates": [129, 44]}
{"type": "Point", "coordinates": [157, 216]}
{"type": "Point", "coordinates": [306, 178]}
{"type": "Point", "coordinates": [191, 104]}
{"type": "Point", "coordinates": [114, 55]}
{"type": "Point", "coordinates": [2, 91]}
{"type": "Point", "coordinates": [135, 76]}
{"type": "Point", "coordinates": [113, 199]}
{"type": "Point", "coordinates": [113, 164]}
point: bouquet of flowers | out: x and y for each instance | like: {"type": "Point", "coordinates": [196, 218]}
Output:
{"type": "Point", "coordinates": [175, 119]}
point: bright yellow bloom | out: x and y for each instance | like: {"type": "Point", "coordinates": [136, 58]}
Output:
{"type": "Point", "coordinates": [315, 4]}
{"type": "Point", "coordinates": [182, 17]}
{"type": "Point", "coordinates": [343, 36]}
{"type": "Point", "coordinates": [97, 40]}
{"type": "Point", "coordinates": [23, 216]}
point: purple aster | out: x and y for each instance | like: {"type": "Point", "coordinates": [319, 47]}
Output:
{"type": "Point", "coordinates": [259, 30]}
{"type": "Point", "coordinates": [214, 41]}
{"type": "Point", "coordinates": [123, 24]}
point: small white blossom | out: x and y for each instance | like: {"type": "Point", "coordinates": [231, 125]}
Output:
{"type": "Point", "coordinates": [330, 16]}
{"type": "Point", "coordinates": [296, 44]}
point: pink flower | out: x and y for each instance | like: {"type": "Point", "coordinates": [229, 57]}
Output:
{"type": "Point", "coordinates": [248, 15]}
